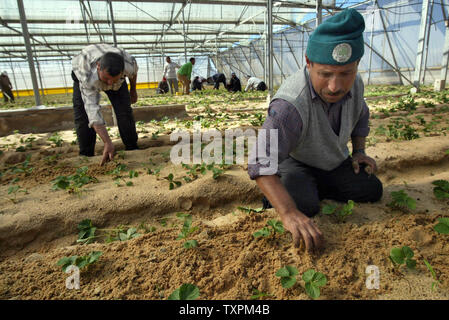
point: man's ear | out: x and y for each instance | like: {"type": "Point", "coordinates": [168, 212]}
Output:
{"type": "Point", "coordinates": [308, 62]}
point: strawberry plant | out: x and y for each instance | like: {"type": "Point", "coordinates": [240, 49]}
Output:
{"type": "Point", "coordinates": [173, 182]}
{"type": "Point", "coordinates": [443, 226]}
{"type": "Point", "coordinates": [404, 255]}
{"type": "Point", "coordinates": [401, 201]}
{"type": "Point", "coordinates": [313, 281]}
{"type": "Point", "coordinates": [185, 292]}
{"type": "Point", "coordinates": [80, 262]}
{"type": "Point", "coordinates": [276, 227]}
{"type": "Point", "coordinates": [86, 231]}
{"type": "Point", "coordinates": [74, 182]}
{"type": "Point", "coordinates": [288, 276]}
{"type": "Point", "coordinates": [342, 212]}
{"type": "Point", "coordinates": [187, 230]}
{"type": "Point", "coordinates": [131, 233]}
{"type": "Point", "coordinates": [14, 189]}
{"type": "Point", "coordinates": [441, 189]}
{"type": "Point", "coordinates": [56, 139]}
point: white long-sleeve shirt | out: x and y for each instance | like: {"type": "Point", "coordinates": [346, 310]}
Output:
{"type": "Point", "coordinates": [252, 84]}
{"type": "Point", "coordinates": [85, 68]}
{"type": "Point", "coordinates": [170, 70]}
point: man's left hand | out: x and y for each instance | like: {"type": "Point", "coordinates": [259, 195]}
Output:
{"type": "Point", "coordinates": [133, 95]}
{"type": "Point", "coordinates": [359, 158]}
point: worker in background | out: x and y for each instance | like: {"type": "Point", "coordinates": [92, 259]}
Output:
{"type": "Point", "coordinates": [197, 84]}
{"type": "Point", "coordinates": [234, 84]}
{"type": "Point", "coordinates": [185, 74]}
{"type": "Point", "coordinates": [170, 74]}
{"type": "Point", "coordinates": [216, 79]}
{"type": "Point", "coordinates": [6, 87]}
{"type": "Point", "coordinates": [102, 67]}
{"type": "Point", "coordinates": [255, 84]}
{"type": "Point", "coordinates": [162, 87]}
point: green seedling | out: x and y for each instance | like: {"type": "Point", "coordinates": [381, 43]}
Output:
{"type": "Point", "coordinates": [313, 281]}
{"type": "Point", "coordinates": [131, 233]}
{"type": "Point", "coordinates": [436, 282]}
{"type": "Point", "coordinates": [400, 200]}
{"type": "Point", "coordinates": [163, 222]}
{"type": "Point", "coordinates": [155, 135]}
{"type": "Point", "coordinates": [52, 160]}
{"type": "Point", "coordinates": [249, 210]}
{"type": "Point", "coordinates": [190, 244]}
{"type": "Point", "coordinates": [258, 294]}
{"type": "Point", "coordinates": [276, 227]}
{"type": "Point", "coordinates": [288, 276]}
{"type": "Point", "coordinates": [187, 228]}
{"type": "Point", "coordinates": [441, 189]}
{"type": "Point", "coordinates": [56, 139]}
{"type": "Point", "coordinates": [403, 255]}
{"type": "Point", "coordinates": [341, 213]}
{"type": "Point", "coordinates": [121, 154]}
{"type": "Point", "coordinates": [23, 167]}
{"type": "Point", "coordinates": [173, 182]}
{"type": "Point", "coordinates": [80, 262]}
{"type": "Point", "coordinates": [14, 190]}
{"type": "Point", "coordinates": [74, 182]}
{"type": "Point", "coordinates": [443, 226]}
{"type": "Point", "coordinates": [185, 292]}
{"type": "Point", "coordinates": [155, 172]}
{"type": "Point", "coordinates": [142, 226]}
{"type": "Point", "coordinates": [86, 231]}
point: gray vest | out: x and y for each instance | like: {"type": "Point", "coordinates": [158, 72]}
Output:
{"type": "Point", "coordinates": [318, 145]}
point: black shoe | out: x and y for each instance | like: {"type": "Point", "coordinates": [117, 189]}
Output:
{"type": "Point", "coordinates": [132, 148]}
{"type": "Point", "coordinates": [266, 204]}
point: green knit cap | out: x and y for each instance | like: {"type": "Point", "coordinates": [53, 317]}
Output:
{"type": "Point", "coordinates": [338, 40]}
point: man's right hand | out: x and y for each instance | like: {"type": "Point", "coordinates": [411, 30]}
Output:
{"type": "Point", "coordinates": [108, 153]}
{"type": "Point", "coordinates": [302, 227]}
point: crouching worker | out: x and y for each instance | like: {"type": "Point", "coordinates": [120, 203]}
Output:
{"type": "Point", "coordinates": [315, 113]}
{"type": "Point", "coordinates": [162, 87]}
{"type": "Point", "coordinates": [102, 67]}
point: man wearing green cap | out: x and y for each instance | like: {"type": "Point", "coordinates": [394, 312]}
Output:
{"type": "Point", "coordinates": [315, 113]}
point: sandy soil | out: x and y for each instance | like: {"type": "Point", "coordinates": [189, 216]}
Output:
{"type": "Point", "coordinates": [229, 263]}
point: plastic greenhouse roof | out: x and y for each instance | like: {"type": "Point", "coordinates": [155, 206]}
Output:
{"type": "Point", "coordinates": [59, 29]}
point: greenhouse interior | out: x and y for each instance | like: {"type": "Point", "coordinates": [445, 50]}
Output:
{"type": "Point", "coordinates": [218, 180]}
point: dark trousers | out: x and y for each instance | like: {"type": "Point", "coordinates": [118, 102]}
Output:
{"type": "Point", "coordinates": [121, 102]}
{"type": "Point", "coordinates": [220, 79]}
{"type": "Point", "coordinates": [7, 94]}
{"type": "Point", "coordinates": [261, 86]}
{"type": "Point", "coordinates": [308, 186]}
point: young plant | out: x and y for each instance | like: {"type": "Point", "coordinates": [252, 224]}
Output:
{"type": "Point", "coordinates": [185, 292]}
{"type": "Point", "coordinates": [340, 213]}
{"type": "Point", "coordinates": [441, 189]}
{"type": "Point", "coordinates": [14, 189]}
{"type": "Point", "coordinates": [187, 230]}
{"type": "Point", "coordinates": [173, 182]}
{"type": "Point", "coordinates": [80, 262]}
{"type": "Point", "coordinates": [401, 201]}
{"type": "Point", "coordinates": [443, 226]}
{"type": "Point", "coordinates": [288, 276]}
{"type": "Point", "coordinates": [131, 233]}
{"type": "Point", "coordinates": [313, 281]}
{"type": "Point", "coordinates": [56, 139]}
{"type": "Point", "coordinates": [86, 231]}
{"type": "Point", "coordinates": [75, 182]}
{"type": "Point", "coordinates": [436, 282]}
{"type": "Point", "coordinates": [399, 256]}
{"type": "Point", "coordinates": [276, 227]}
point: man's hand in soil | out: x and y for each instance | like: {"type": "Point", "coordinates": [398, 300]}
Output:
{"type": "Point", "coordinates": [108, 153]}
{"type": "Point", "coordinates": [302, 227]}
{"type": "Point", "coordinates": [359, 158]}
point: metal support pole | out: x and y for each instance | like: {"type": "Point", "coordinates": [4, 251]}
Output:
{"type": "Point", "coordinates": [114, 36]}
{"type": "Point", "coordinates": [26, 37]}
{"type": "Point", "coordinates": [247, 61]}
{"type": "Point", "coordinates": [371, 43]}
{"type": "Point", "coordinates": [319, 13]}
{"type": "Point", "coordinates": [184, 34]}
{"type": "Point", "coordinates": [421, 41]}
{"type": "Point", "coordinates": [14, 77]}
{"type": "Point", "coordinates": [291, 50]}
{"type": "Point", "coordinates": [63, 76]}
{"type": "Point", "coordinates": [270, 46]}
{"type": "Point", "coordinates": [427, 44]}
{"type": "Point", "coordinates": [445, 59]}
{"type": "Point", "coordinates": [389, 43]}
{"type": "Point", "coordinates": [279, 66]}
{"type": "Point", "coordinates": [148, 73]}
{"type": "Point", "coordinates": [258, 57]}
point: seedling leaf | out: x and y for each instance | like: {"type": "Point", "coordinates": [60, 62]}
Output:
{"type": "Point", "coordinates": [185, 292]}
